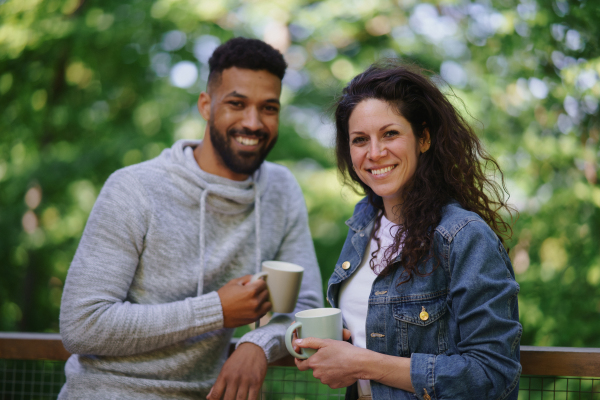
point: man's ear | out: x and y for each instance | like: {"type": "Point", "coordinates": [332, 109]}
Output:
{"type": "Point", "coordinates": [204, 105]}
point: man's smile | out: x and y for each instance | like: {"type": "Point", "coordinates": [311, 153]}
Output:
{"type": "Point", "coordinates": [246, 141]}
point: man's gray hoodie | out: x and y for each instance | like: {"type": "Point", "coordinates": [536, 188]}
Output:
{"type": "Point", "coordinates": [140, 311]}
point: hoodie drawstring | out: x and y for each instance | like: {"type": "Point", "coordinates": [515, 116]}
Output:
{"type": "Point", "coordinates": [207, 190]}
{"type": "Point", "coordinates": [202, 239]}
{"type": "Point", "coordinates": [257, 228]}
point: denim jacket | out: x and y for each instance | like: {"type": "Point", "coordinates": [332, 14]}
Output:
{"type": "Point", "coordinates": [466, 344]}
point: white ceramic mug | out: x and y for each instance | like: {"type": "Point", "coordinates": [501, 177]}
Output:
{"type": "Point", "coordinates": [283, 282]}
{"type": "Point", "coordinates": [321, 323]}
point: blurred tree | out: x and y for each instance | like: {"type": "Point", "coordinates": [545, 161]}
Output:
{"type": "Point", "coordinates": [87, 87]}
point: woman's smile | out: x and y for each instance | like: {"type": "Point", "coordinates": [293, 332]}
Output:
{"type": "Point", "coordinates": [381, 172]}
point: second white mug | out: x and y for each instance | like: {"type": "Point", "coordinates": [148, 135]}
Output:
{"type": "Point", "coordinates": [283, 281]}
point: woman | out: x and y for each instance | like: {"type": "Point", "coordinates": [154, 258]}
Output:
{"type": "Point", "coordinates": [424, 282]}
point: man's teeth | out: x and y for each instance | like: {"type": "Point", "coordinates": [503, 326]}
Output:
{"type": "Point", "coordinates": [382, 170]}
{"type": "Point", "coordinates": [246, 141]}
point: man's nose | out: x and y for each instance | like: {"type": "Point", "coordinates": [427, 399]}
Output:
{"type": "Point", "coordinates": [252, 119]}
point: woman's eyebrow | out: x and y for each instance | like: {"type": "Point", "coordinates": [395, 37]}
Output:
{"type": "Point", "coordinates": [380, 129]}
{"type": "Point", "coordinates": [387, 126]}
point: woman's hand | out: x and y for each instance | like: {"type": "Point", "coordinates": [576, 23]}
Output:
{"type": "Point", "coordinates": [346, 335]}
{"type": "Point", "coordinates": [339, 364]}
{"type": "Point", "coordinates": [336, 363]}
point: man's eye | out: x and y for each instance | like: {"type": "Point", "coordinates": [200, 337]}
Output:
{"type": "Point", "coordinates": [272, 108]}
{"type": "Point", "coordinates": [235, 103]}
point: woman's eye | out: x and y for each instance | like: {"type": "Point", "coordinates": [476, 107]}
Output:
{"type": "Point", "coordinates": [358, 140]}
{"type": "Point", "coordinates": [391, 133]}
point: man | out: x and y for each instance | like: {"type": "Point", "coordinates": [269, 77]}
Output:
{"type": "Point", "coordinates": [161, 276]}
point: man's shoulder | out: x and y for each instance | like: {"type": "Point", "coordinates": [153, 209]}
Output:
{"type": "Point", "coordinates": [142, 172]}
{"type": "Point", "coordinates": [278, 171]}
{"type": "Point", "coordinates": [137, 180]}
{"type": "Point", "coordinates": [280, 188]}
{"type": "Point", "coordinates": [279, 176]}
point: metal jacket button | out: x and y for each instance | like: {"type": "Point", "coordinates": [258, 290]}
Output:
{"type": "Point", "coordinates": [426, 396]}
{"type": "Point", "coordinates": [346, 264]}
{"type": "Point", "coordinates": [424, 315]}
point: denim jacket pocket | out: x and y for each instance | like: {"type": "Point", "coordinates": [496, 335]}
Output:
{"type": "Point", "coordinates": [421, 324]}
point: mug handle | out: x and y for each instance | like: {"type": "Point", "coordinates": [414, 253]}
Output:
{"type": "Point", "coordinates": [288, 340]}
{"type": "Point", "coordinates": [260, 275]}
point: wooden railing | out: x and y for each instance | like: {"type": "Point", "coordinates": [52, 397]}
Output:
{"type": "Point", "coordinates": [541, 361]}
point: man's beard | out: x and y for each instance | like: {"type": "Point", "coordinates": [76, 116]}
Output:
{"type": "Point", "coordinates": [243, 162]}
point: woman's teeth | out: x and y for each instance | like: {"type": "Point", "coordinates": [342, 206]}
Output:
{"type": "Point", "coordinates": [246, 141]}
{"type": "Point", "coordinates": [382, 170]}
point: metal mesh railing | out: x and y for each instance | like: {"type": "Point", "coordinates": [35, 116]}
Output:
{"type": "Point", "coordinates": [31, 380]}
{"type": "Point", "coordinates": [559, 388]}
{"type": "Point", "coordinates": [288, 383]}
{"type": "Point", "coordinates": [37, 380]}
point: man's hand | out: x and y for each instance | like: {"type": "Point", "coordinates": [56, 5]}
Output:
{"type": "Point", "coordinates": [242, 375]}
{"type": "Point", "coordinates": [243, 302]}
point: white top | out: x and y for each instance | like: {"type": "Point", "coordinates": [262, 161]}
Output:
{"type": "Point", "coordinates": [355, 292]}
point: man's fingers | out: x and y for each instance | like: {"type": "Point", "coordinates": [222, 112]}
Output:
{"type": "Point", "coordinates": [265, 308]}
{"type": "Point", "coordinates": [216, 392]}
{"type": "Point", "coordinates": [243, 280]}
{"type": "Point", "coordinates": [263, 296]}
{"type": "Point", "coordinates": [213, 395]}
{"type": "Point", "coordinates": [242, 392]}
{"type": "Point", "coordinates": [259, 286]}
{"type": "Point", "coordinates": [253, 393]}
{"type": "Point", "coordinates": [231, 391]}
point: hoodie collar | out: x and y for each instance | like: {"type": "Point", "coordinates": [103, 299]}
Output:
{"type": "Point", "coordinates": [225, 195]}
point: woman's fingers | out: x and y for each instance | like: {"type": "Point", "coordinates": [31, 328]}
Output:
{"type": "Point", "coordinates": [302, 365]}
{"type": "Point", "coordinates": [346, 335]}
{"type": "Point", "coordinates": [311, 343]}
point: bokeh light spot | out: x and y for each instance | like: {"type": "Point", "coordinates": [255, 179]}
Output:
{"type": "Point", "coordinates": [184, 74]}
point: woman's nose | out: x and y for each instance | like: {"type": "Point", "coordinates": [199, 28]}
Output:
{"type": "Point", "coordinates": [377, 150]}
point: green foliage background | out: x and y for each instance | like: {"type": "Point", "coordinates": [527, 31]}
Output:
{"type": "Point", "coordinates": [85, 89]}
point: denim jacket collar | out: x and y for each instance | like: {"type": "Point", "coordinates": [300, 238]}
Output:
{"type": "Point", "coordinates": [366, 213]}
{"type": "Point", "coordinates": [361, 219]}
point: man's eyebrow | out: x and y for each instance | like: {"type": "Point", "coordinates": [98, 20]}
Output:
{"type": "Point", "coordinates": [236, 94]}
{"type": "Point", "coordinates": [242, 96]}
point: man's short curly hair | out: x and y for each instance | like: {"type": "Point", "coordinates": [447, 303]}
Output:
{"type": "Point", "coordinates": [245, 53]}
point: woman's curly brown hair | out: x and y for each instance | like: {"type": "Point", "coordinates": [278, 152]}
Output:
{"type": "Point", "coordinates": [455, 167]}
